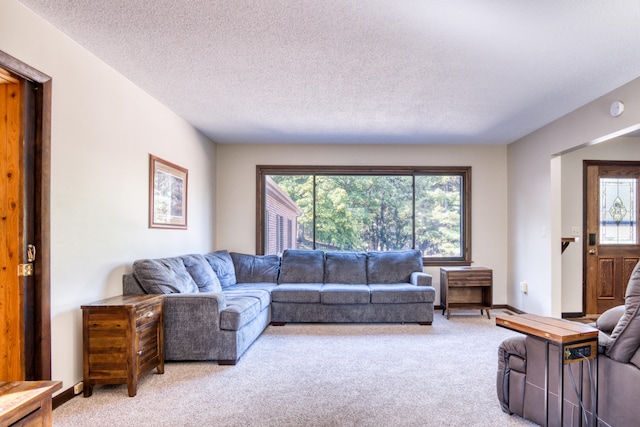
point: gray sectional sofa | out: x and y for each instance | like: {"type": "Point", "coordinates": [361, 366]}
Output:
{"type": "Point", "coordinates": [521, 372]}
{"type": "Point", "coordinates": [217, 304]}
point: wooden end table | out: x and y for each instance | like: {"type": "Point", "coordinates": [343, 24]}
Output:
{"type": "Point", "coordinates": [123, 338]}
{"type": "Point", "coordinates": [576, 342]}
{"type": "Point", "coordinates": [27, 403]}
{"type": "Point", "coordinates": [466, 288]}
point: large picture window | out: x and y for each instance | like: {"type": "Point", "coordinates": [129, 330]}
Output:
{"type": "Point", "coordinates": [365, 209]}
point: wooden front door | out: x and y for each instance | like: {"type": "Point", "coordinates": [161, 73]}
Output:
{"type": "Point", "coordinates": [17, 225]}
{"type": "Point", "coordinates": [11, 295]}
{"type": "Point", "coordinates": [25, 313]}
{"type": "Point", "coordinates": [612, 246]}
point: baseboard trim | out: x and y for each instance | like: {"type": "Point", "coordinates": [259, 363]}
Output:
{"type": "Point", "coordinates": [515, 310]}
{"type": "Point", "coordinates": [63, 398]}
{"type": "Point", "coordinates": [493, 307]}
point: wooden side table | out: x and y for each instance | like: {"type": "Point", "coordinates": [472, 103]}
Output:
{"type": "Point", "coordinates": [27, 403]}
{"type": "Point", "coordinates": [576, 342]}
{"type": "Point", "coordinates": [466, 288]}
{"type": "Point", "coordinates": [123, 338]}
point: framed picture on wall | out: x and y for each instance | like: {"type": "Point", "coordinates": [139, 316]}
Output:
{"type": "Point", "coordinates": [167, 194]}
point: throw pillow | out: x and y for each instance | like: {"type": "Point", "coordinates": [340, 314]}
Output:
{"type": "Point", "coordinates": [222, 265]}
{"type": "Point", "coordinates": [164, 276]}
{"type": "Point", "coordinates": [625, 337]}
{"type": "Point", "coordinates": [201, 273]}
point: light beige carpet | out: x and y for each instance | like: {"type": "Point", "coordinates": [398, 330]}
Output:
{"type": "Point", "coordinates": [323, 375]}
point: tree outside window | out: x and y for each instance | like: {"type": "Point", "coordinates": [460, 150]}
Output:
{"type": "Point", "coordinates": [367, 209]}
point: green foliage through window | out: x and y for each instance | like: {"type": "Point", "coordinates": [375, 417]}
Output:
{"type": "Point", "coordinates": [363, 209]}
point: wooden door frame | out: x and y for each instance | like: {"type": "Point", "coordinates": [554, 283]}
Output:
{"type": "Point", "coordinates": [585, 246]}
{"type": "Point", "coordinates": [42, 208]}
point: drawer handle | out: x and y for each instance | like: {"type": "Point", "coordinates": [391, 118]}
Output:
{"type": "Point", "coordinates": [150, 314]}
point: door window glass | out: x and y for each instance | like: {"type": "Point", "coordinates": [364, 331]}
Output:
{"type": "Point", "coordinates": [618, 219]}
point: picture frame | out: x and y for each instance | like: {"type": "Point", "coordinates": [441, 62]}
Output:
{"type": "Point", "coordinates": [167, 194]}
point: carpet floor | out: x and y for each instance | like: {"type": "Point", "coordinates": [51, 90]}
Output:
{"type": "Point", "coordinates": [323, 375]}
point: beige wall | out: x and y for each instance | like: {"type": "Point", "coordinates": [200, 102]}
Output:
{"type": "Point", "coordinates": [103, 130]}
{"type": "Point", "coordinates": [236, 190]}
{"type": "Point", "coordinates": [535, 196]}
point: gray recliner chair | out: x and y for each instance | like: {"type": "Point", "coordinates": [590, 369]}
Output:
{"type": "Point", "coordinates": [521, 373]}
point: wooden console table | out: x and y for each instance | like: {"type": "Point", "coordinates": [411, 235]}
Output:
{"type": "Point", "coordinates": [575, 341]}
{"type": "Point", "coordinates": [466, 288]}
{"type": "Point", "coordinates": [27, 403]}
{"type": "Point", "coordinates": [123, 338]}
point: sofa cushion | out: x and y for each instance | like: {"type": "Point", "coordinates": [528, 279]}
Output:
{"type": "Point", "coordinates": [164, 276]}
{"type": "Point", "coordinates": [240, 310]}
{"type": "Point", "coordinates": [261, 295]}
{"type": "Point", "coordinates": [401, 293]}
{"type": "Point", "coordinates": [393, 266]}
{"type": "Point", "coordinates": [256, 268]}
{"type": "Point", "coordinates": [345, 267]}
{"type": "Point", "coordinates": [201, 273]}
{"type": "Point", "coordinates": [300, 266]}
{"type": "Point", "coordinates": [297, 293]}
{"type": "Point", "coordinates": [344, 294]}
{"type": "Point", "coordinates": [265, 286]}
{"type": "Point", "coordinates": [625, 337]}
{"type": "Point", "coordinates": [222, 265]}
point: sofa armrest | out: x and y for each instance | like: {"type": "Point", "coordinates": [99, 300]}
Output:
{"type": "Point", "coordinates": [419, 278]}
{"type": "Point", "coordinates": [131, 286]}
{"type": "Point", "coordinates": [192, 325]}
{"type": "Point", "coordinates": [200, 311]}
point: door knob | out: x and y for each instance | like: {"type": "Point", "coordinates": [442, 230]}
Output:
{"type": "Point", "coordinates": [592, 252]}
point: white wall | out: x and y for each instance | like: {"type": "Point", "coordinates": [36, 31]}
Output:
{"type": "Point", "coordinates": [103, 130]}
{"type": "Point", "coordinates": [236, 190]}
{"type": "Point", "coordinates": [622, 148]}
{"type": "Point", "coordinates": [534, 191]}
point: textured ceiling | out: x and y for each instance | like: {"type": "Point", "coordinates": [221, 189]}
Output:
{"type": "Point", "coordinates": [362, 71]}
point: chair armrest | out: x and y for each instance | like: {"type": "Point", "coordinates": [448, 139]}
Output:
{"type": "Point", "coordinates": [511, 377]}
{"type": "Point", "coordinates": [515, 346]}
{"type": "Point", "coordinates": [419, 278]}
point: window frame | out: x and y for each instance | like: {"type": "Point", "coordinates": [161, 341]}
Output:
{"type": "Point", "coordinates": [464, 171]}
{"type": "Point", "coordinates": [279, 233]}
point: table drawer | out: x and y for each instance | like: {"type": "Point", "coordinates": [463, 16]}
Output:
{"type": "Point", "coordinates": [148, 314]}
{"type": "Point", "coordinates": [481, 278]}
